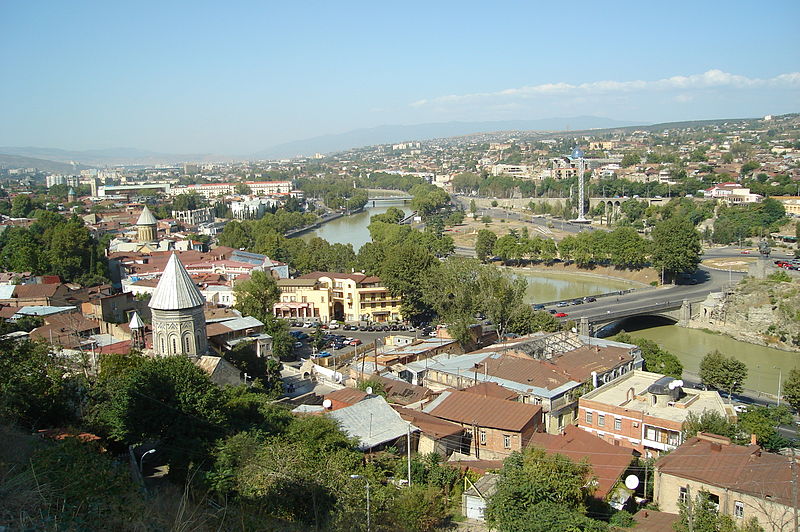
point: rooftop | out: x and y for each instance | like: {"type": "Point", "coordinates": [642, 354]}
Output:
{"type": "Point", "coordinates": [616, 393]}
{"type": "Point", "coordinates": [747, 469]}
{"type": "Point", "coordinates": [469, 408]}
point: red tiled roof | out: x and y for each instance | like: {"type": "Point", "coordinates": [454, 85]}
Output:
{"type": "Point", "coordinates": [653, 521]}
{"type": "Point", "coordinates": [469, 408]}
{"type": "Point", "coordinates": [609, 462]}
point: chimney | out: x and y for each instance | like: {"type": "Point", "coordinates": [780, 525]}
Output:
{"type": "Point", "coordinates": [753, 440]}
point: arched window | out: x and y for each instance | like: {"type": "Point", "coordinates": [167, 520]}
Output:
{"type": "Point", "coordinates": [163, 347]}
{"type": "Point", "coordinates": [186, 344]}
{"type": "Point", "coordinates": [174, 346]}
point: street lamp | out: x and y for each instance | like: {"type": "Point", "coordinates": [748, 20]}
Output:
{"type": "Point", "coordinates": [367, 481]}
{"type": "Point", "coordinates": [780, 375]}
{"type": "Point", "coordinates": [141, 459]}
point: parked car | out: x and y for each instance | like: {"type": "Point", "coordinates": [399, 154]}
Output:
{"type": "Point", "coordinates": [589, 299]}
{"type": "Point", "coordinates": [740, 408]}
{"type": "Point", "coordinates": [552, 311]}
{"type": "Point", "coordinates": [298, 345]}
{"type": "Point", "coordinates": [538, 306]}
{"type": "Point", "coordinates": [577, 301]}
{"type": "Point", "coordinates": [745, 252]}
{"type": "Point", "coordinates": [355, 341]}
{"type": "Point", "coordinates": [562, 304]}
{"type": "Point", "coordinates": [561, 315]}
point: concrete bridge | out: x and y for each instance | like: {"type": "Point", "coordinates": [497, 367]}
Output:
{"type": "Point", "coordinates": [679, 311]}
{"type": "Point", "coordinates": [389, 199]}
{"type": "Point", "coordinates": [613, 205]}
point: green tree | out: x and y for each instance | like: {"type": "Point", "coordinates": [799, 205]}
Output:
{"type": "Point", "coordinates": [168, 399]}
{"type": "Point", "coordinates": [404, 267]}
{"type": "Point", "coordinates": [484, 244]}
{"type": "Point", "coordinates": [630, 159]}
{"type": "Point", "coordinates": [704, 516]}
{"type": "Point", "coordinates": [36, 389]}
{"type": "Point", "coordinates": [419, 509]}
{"type": "Point", "coordinates": [709, 421]}
{"type": "Point", "coordinates": [528, 321]}
{"type": "Point", "coordinates": [791, 389]}
{"type": "Point", "coordinates": [676, 246]}
{"type": "Point", "coordinates": [656, 359]}
{"type": "Point", "coordinates": [256, 296]}
{"type": "Point", "coordinates": [472, 207]}
{"type": "Point", "coordinates": [762, 421]}
{"type": "Point", "coordinates": [534, 477]}
{"type": "Point", "coordinates": [723, 373]}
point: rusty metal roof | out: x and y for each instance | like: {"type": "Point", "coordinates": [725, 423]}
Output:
{"type": "Point", "coordinates": [470, 408]}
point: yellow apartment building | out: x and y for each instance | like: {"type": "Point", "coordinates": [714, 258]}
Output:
{"type": "Point", "coordinates": [326, 296]}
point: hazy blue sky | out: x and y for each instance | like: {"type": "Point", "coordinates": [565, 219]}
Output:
{"type": "Point", "coordinates": [237, 77]}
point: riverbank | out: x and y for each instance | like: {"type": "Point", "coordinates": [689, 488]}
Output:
{"type": "Point", "coordinates": [643, 277]}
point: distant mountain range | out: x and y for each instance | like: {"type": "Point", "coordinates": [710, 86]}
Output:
{"type": "Point", "coordinates": [394, 133]}
{"type": "Point", "coordinates": [105, 157]}
{"type": "Point", "coordinates": [18, 161]}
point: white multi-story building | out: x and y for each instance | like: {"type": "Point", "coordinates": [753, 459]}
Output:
{"type": "Point", "coordinates": [194, 217]}
{"type": "Point", "coordinates": [732, 193]}
{"type": "Point", "coordinates": [251, 209]}
{"type": "Point", "coordinates": [69, 180]}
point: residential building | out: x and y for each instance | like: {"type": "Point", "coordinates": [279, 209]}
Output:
{"type": "Point", "coordinates": [495, 428]}
{"type": "Point", "coordinates": [374, 424]}
{"type": "Point", "coordinates": [514, 170]}
{"type": "Point", "coordinates": [645, 411]}
{"type": "Point", "coordinates": [732, 193]}
{"type": "Point", "coordinates": [195, 216]}
{"type": "Point", "coordinates": [742, 481]}
{"type": "Point", "coordinates": [326, 296]}
{"type": "Point", "coordinates": [435, 435]}
{"type": "Point", "coordinates": [551, 370]}
{"type": "Point", "coordinates": [609, 462]}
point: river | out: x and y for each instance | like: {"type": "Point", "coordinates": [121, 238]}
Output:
{"type": "Point", "coordinates": [689, 345]}
{"type": "Point", "coordinates": [352, 229]}
{"type": "Point", "coordinates": [764, 364]}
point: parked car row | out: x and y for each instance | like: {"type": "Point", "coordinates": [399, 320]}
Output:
{"type": "Point", "coordinates": [352, 327]}
{"type": "Point", "coordinates": [793, 264]}
{"type": "Point", "coordinates": [340, 341]}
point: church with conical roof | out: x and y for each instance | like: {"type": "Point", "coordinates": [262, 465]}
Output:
{"type": "Point", "coordinates": [179, 323]}
{"type": "Point", "coordinates": [146, 226]}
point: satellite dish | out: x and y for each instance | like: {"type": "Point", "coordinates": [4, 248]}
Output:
{"type": "Point", "coordinates": [369, 390]}
{"type": "Point", "coordinates": [326, 404]}
{"type": "Point", "coordinates": [631, 482]}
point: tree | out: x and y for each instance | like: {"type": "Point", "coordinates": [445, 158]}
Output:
{"type": "Point", "coordinates": [484, 244]}
{"type": "Point", "coordinates": [36, 390]}
{"type": "Point", "coordinates": [630, 159]}
{"type": "Point", "coordinates": [256, 296]}
{"type": "Point", "coordinates": [419, 509]}
{"type": "Point", "coordinates": [472, 207]}
{"type": "Point", "coordinates": [791, 389]}
{"type": "Point", "coordinates": [704, 516]}
{"type": "Point", "coordinates": [676, 246]}
{"type": "Point", "coordinates": [762, 421]}
{"type": "Point", "coordinates": [404, 267]}
{"type": "Point", "coordinates": [656, 359]}
{"type": "Point", "coordinates": [169, 399]}
{"type": "Point", "coordinates": [534, 477]}
{"type": "Point", "coordinates": [723, 373]}
{"type": "Point", "coordinates": [709, 421]}
{"type": "Point", "coordinates": [528, 321]}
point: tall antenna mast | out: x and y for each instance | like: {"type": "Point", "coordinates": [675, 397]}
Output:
{"type": "Point", "coordinates": [577, 156]}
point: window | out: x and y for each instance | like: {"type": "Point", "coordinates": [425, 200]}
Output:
{"type": "Point", "coordinates": [738, 509]}
{"type": "Point", "coordinates": [601, 420]}
{"type": "Point", "coordinates": [650, 433]}
{"type": "Point", "coordinates": [683, 496]}
{"type": "Point", "coordinates": [174, 345]}
{"type": "Point", "coordinates": [588, 418]}
{"type": "Point", "coordinates": [506, 441]}
{"type": "Point", "coordinates": [483, 437]}
{"type": "Point", "coordinates": [186, 343]}
{"type": "Point", "coordinates": [617, 423]}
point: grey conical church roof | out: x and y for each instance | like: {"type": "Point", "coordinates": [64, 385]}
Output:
{"type": "Point", "coordinates": [146, 218]}
{"type": "Point", "coordinates": [175, 289]}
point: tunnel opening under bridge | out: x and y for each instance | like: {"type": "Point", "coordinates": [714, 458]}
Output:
{"type": "Point", "coordinates": [633, 324]}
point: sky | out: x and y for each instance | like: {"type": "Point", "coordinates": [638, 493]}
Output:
{"type": "Point", "coordinates": [237, 77]}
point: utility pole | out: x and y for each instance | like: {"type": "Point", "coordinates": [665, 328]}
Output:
{"type": "Point", "coordinates": [793, 465]}
{"type": "Point", "coordinates": [408, 452]}
{"type": "Point", "coordinates": [689, 508]}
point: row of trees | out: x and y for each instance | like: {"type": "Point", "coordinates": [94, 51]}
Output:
{"type": "Point", "coordinates": [675, 247]}
{"type": "Point", "coordinates": [738, 222]}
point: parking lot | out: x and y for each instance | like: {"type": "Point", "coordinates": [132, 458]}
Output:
{"type": "Point", "coordinates": [366, 337]}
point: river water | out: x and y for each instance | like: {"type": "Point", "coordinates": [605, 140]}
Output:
{"type": "Point", "coordinates": [689, 345]}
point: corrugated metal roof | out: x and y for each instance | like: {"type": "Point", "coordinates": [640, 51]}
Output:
{"type": "Point", "coordinates": [372, 422]}
{"type": "Point", "coordinates": [469, 408]}
{"type": "Point", "coordinates": [746, 469]}
{"type": "Point", "coordinates": [6, 291]}
{"type": "Point", "coordinates": [175, 289]}
{"type": "Point", "coordinates": [146, 218]}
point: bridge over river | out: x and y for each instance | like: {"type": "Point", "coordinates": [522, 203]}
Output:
{"type": "Point", "coordinates": [677, 303]}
